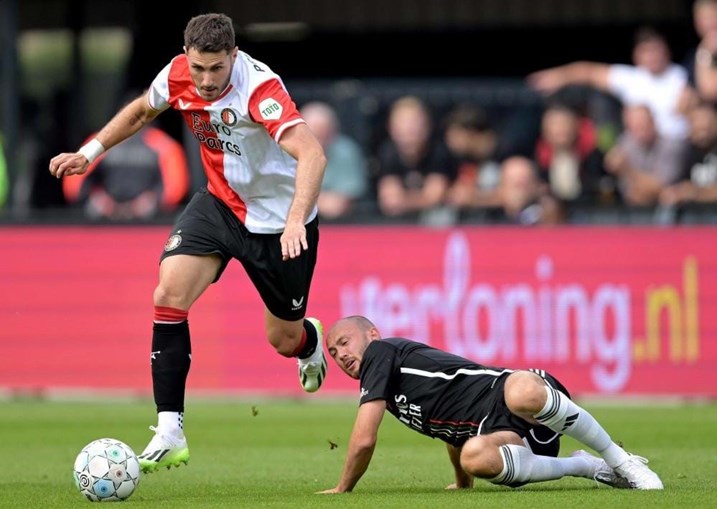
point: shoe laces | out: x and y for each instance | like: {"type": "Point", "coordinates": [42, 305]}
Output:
{"type": "Point", "coordinates": [634, 465]}
{"type": "Point", "coordinates": [166, 438]}
{"type": "Point", "coordinates": [310, 368]}
{"type": "Point", "coordinates": [634, 459]}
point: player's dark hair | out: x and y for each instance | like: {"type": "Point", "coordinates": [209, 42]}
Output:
{"type": "Point", "coordinates": [210, 33]}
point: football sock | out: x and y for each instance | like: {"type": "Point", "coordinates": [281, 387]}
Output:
{"type": "Point", "coordinates": [520, 465]}
{"type": "Point", "coordinates": [171, 358]}
{"type": "Point", "coordinates": [562, 415]}
{"type": "Point", "coordinates": [308, 343]}
{"type": "Point", "coordinates": [172, 422]}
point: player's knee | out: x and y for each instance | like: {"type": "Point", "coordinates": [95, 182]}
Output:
{"type": "Point", "coordinates": [524, 393]}
{"type": "Point", "coordinates": [481, 458]}
{"type": "Point", "coordinates": [163, 296]}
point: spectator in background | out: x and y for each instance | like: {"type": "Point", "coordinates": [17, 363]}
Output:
{"type": "Point", "coordinates": [524, 198]}
{"type": "Point", "coordinates": [415, 169]}
{"type": "Point", "coordinates": [4, 176]}
{"type": "Point", "coordinates": [643, 161]}
{"type": "Point", "coordinates": [474, 142]}
{"type": "Point", "coordinates": [346, 174]}
{"type": "Point", "coordinates": [701, 61]}
{"type": "Point", "coordinates": [698, 182]}
{"type": "Point", "coordinates": [142, 177]}
{"type": "Point", "coordinates": [568, 157]}
{"type": "Point", "coordinates": [653, 80]}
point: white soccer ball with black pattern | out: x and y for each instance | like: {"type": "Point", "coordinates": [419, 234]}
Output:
{"type": "Point", "coordinates": [107, 470]}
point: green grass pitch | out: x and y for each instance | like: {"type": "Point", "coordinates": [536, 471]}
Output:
{"type": "Point", "coordinates": [266, 453]}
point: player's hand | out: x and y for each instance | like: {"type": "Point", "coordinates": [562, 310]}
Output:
{"type": "Point", "coordinates": [463, 481]}
{"type": "Point", "coordinates": [328, 492]}
{"type": "Point", "coordinates": [68, 164]}
{"type": "Point", "coordinates": [455, 486]}
{"type": "Point", "coordinates": [293, 240]}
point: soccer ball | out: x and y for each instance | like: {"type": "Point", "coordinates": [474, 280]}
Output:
{"type": "Point", "coordinates": [106, 470]}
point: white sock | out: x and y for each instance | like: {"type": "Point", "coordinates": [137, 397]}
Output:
{"type": "Point", "coordinates": [520, 465]}
{"type": "Point", "coordinates": [171, 422]}
{"type": "Point", "coordinates": [562, 415]}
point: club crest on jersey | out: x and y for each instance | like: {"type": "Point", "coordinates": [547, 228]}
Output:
{"type": "Point", "coordinates": [270, 109]}
{"type": "Point", "coordinates": [173, 242]}
{"type": "Point", "coordinates": [229, 117]}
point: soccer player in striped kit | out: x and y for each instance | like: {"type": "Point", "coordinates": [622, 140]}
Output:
{"type": "Point", "coordinates": [498, 424]}
{"type": "Point", "coordinates": [264, 169]}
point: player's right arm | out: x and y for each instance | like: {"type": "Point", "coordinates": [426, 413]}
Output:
{"type": "Point", "coordinates": [361, 445]}
{"type": "Point", "coordinates": [463, 479]}
{"type": "Point", "coordinates": [124, 124]}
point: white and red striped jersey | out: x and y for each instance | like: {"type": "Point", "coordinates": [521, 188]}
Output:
{"type": "Point", "coordinates": [238, 134]}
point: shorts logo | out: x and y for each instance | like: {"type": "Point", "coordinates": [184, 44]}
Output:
{"type": "Point", "coordinates": [173, 242]}
{"type": "Point", "coordinates": [297, 303]}
{"type": "Point", "coordinates": [270, 109]}
{"type": "Point", "coordinates": [229, 117]}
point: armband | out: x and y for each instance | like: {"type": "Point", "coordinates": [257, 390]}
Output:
{"type": "Point", "coordinates": [91, 150]}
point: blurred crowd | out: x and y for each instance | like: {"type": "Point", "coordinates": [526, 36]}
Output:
{"type": "Point", "coordinates": [640, 136]}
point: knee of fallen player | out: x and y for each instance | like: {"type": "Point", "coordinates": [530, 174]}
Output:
{"type": "Point", "coordinates": [481, 458]}
{"type": "Point", "coordinates": [525, 394]}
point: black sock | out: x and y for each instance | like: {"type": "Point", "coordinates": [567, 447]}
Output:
{"type": "Point", "coordinates": [311, 341]}
{"type": "Point", "coordinates": [171, 357]}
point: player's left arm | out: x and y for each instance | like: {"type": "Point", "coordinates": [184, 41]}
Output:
{"type": "Point", "coordinates": [271, 106]}
{"type": "Point", "coordinates": [299, 142]}
{"type": "Point", "coordinates": [463, 479]}
{"type": "Point", "coordinates": [361, 445]}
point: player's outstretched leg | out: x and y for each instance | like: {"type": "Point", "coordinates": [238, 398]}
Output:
{"type": "Point", "coordinates": [562, 415]}
{"type": "Point", "coordinates": [312, 370]}
{"type": "Point", "coordinates": [600, 471]}
{"type": "Point", "coordinates": [164, 450]}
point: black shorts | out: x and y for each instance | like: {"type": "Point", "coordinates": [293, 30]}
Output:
{"type": "Point", "coordinates": [207, 226]}
{"type": "Point", "coordinates": [540, 439]}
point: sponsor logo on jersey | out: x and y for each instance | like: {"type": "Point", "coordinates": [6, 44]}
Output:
{"type": "Point", "coordinates": [173, 242]}
{"type": "Point", "coordinates": [270, 109]}
{"type": "Point", "coordinates": [229, 117]}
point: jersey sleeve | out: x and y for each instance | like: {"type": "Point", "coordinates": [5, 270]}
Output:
{"type": "Point", "coordinates": [158, 93]}
{"type": "Point", "coordinates": [376, 370]}
{"type": "Point", "coordinates": [271, 106]}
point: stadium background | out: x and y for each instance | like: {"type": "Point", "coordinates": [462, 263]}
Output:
{"type": "Point", "coordinates": [613, 310]}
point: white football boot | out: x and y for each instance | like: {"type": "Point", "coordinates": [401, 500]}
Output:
{"type": "Point", "coordinates": [312, 370]}
{"type": "Point", "coordinates": [639, 477]}
{"type": "Point", "coordinates": [164, 451]}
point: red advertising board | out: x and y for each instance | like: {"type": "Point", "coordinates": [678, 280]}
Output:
{"type": "Point", "coordinates": [607, 310]}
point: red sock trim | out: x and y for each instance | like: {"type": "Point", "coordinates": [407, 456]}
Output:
{"type": "Point", "coordinates": [169, 315]}
{"type": "Point", "coordinates": [302, 343]}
